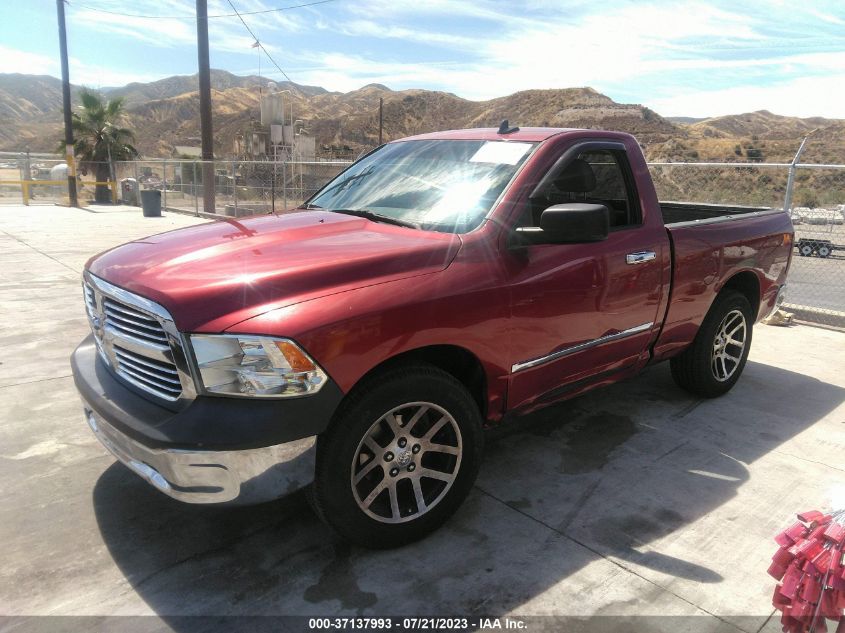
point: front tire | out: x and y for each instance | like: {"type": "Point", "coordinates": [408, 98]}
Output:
{"type": "Point", "coordinates": [714, 362]}
{"type": "Point", "coordinates": [399, 458]}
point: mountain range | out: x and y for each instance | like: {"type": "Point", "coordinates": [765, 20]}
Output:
{"type": "Point", "coordinates": [165, 113]}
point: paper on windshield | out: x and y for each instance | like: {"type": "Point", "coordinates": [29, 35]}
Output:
{"type": "Point", "coordinates": [500, 153]}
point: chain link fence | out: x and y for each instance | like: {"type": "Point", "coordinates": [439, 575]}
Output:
{"type": "Point", "coordinates": [733, 184]}
{"type": "Point", "coordinates": [241, 188]}
{"type": "Point", "coordinates": [33, 179]}
{"type": "Point", "coordinates": [816, 285]}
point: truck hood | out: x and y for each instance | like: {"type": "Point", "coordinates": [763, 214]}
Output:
{"type": "Point", "coordinates": [212, 276]}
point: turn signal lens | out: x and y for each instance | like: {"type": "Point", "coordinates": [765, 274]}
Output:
{"type": "Point", "coordinates": [296, 358]}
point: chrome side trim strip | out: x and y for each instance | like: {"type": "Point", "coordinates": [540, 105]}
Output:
{"type": "Point", "coordinates": [527, 364]}
{"type": "Point", "coordinates": [722, 218]}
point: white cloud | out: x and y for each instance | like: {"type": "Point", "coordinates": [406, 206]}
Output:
{"type": "Point", "coordinates": [337, 71]}
{"type": "Point", "coordinates": [676, 53]}
{"type": "Point", "coordinates": [225, 34]}
{"type": "Point", "coordinates": [803, 97]}
{"type": "Point", "coordinates": [486, 10]}
{"type": "Point", "coordinates": [529, 52]}
{"type": "Point", "coordinates": [605, 48]}
{"type": "Point", "coordinates": [13, 60]}
{"type": "Point", "coordinates": [827, 17]}
{"type": "Point", "coordinates": [161, 33]}
{"type": "Point", "coordinates": [666, 49]}
{"type": "Point", "coordinates": [368, 28]}
{"type": "Point", "coordinates": [93, 76]}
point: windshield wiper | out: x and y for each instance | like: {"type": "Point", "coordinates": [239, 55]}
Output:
{"type": "Point", "coordinates": [311, 206]}
{"type": "Point", "coordinates": [376, 217]}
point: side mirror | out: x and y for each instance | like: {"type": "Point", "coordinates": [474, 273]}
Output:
{"type": "Point", "coordinates": [568, 223]}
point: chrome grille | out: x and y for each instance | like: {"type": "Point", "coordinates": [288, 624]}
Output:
{"type": "Point", "coordinates": [90, 300]}
{"type": "Point", "coordinates": [160, 378]}
{"type": "Point", "coordinates": [131, 322]}
{"type": "Point", "coordinates": [138, 340]}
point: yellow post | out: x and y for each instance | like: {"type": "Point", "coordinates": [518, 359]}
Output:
{"type": "Point", "coordinates": [71, 182]}
{"type": "Point", "coordinates": [25, 191]}
{"type": "Point", "coordinates": [113, 185]}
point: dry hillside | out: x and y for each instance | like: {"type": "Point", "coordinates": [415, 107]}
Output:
{"type": "Point", "coordinates": [165, 113]}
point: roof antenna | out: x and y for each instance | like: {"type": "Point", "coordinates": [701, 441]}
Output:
{"type": "Point", "coordinates": [505, 128]}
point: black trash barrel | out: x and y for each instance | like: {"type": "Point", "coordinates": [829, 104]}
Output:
{"type": "Point", "coordinates": [151, 203]}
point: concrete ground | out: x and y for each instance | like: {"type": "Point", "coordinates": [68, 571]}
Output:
{"type": "Point", "coordinates": [635, 500]}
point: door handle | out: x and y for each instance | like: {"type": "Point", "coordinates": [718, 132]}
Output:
{"type": "Point", "coordinates": [640, 256]}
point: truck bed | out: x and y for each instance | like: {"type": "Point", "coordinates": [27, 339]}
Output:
{"type": "Point", "coordinates": [712, 244]}
{"type": "Point", "coordinates": [676, 213]}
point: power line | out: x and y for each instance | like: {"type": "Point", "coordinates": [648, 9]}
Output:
{"type": "Point", "coordinates": [192, 17]}
{"type": "Point", "coordinates": [257, 41]}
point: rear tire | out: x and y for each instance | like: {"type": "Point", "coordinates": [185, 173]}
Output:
{"type": "Point", "coordinates": [400, 457]}
{"type": "Point", "coordinates": [806, 250]}
{"type": "Point", "coordinates": [714, 362]}
{"type": "Point", "coordinates": [823, 250]}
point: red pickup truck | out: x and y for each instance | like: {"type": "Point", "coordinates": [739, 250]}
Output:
{"type": "Point", "coordinates": [362, 343]}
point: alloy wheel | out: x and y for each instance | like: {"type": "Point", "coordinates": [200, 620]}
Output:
{"type": "Point", "coordinates": [728, 345]}
{"type": "Point", "coordinates": [406, 462]}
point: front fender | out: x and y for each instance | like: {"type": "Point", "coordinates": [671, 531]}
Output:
{"type": "Point", "coordinates": [351, 333]}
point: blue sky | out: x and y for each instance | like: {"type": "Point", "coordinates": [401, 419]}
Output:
{"type": "Point", "coordinates": [682, 57]}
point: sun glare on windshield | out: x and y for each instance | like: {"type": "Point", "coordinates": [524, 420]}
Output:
{"type": "Point", "coordinates": [445, 185]}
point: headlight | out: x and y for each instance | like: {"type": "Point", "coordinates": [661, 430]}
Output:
{"type": "Point", "coordinates": [243, 365]}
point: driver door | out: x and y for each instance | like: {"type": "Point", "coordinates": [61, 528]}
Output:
{"type": "Point", "coordinates": [581, 312]}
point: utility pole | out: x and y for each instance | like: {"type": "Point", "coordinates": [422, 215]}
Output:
{"type": "Point", "coordinates": [380, 118]}
{"type": "Point", "coordinates": [206, 131]}
{"type": "Point", "coordinates": [71, 166]}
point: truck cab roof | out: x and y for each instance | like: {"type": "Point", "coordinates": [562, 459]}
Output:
{"type": "Point", "coordinates": [524, 134]}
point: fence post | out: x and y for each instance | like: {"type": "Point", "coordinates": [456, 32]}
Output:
{"type": "Point", "coordinates": [790, 181]}
{"type": "Point", "coordinates": [194, 189]}
{"type": "Point", "coordinates": [164, 181]}
{"type": "Point", "coordinates": [26, 176]}
{"type": "Point", "coordinates": [235, 192]}
{"type": "Point", "coordinates": [273, 186]}
{"type": "Point", "coordinates": [285, 183]}
{"type": "Point", "coordinates": [21, 178]}
{"type": "Point", "coordinates": [137, 182]}
{"type": "Point", "coordinates": [113, 174]}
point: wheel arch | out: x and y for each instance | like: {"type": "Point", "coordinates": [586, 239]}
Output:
{"type": "Point", "coordinates": [679, 334]}
{"type": "Point", "coordinates": [455, 360]}
{"type": "Point", "coordinates": [747, 283]}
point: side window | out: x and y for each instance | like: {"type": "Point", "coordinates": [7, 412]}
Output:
{"type": "Point", "coordinates": [600, 176]}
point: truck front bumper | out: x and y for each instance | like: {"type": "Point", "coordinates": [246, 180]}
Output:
{"type": "Point", "coordinates": [215, 450]}
{"type": "Point", "coordinates": [248, 476]}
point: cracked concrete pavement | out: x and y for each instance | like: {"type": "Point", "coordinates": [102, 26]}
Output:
{"type": "Point", "coordinates": [633, 500]}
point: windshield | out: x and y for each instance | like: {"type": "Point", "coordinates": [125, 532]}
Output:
{"type": "Point", "coordinates": [438, 184]}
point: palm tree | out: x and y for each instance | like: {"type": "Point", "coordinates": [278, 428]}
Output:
{"type": "Point", "coordinates": [99, 139]}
